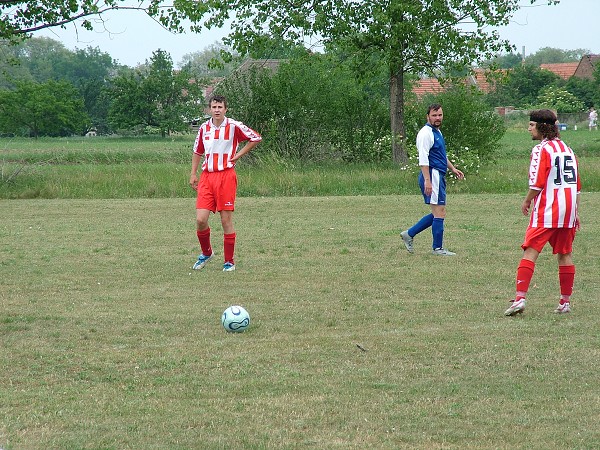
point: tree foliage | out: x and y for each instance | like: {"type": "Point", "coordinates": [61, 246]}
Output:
{"type": "Point", "coordinates": [559, 99]}
{"type": "Point", "coordinates": [312, 108]}
{"type": "Point", "coordinates": [405, 36]}
{"type": "Point", "coordinates": [53, 108]}
{"type": "Point", "coordinates": [550, 55]}
{"type": "Point", "coordinates": [504, 61]}
{"type": "Point", "coordinates": [208, 63]}
{"type": "Point", "coordinates": [522, 86]}
{"type": "Point", "coordinates": [44, 59]}
{"type": "Point", "coordinates": [470, 129]}
{"type": "Point", "coordinates": [18, 19]}
{"type": "Point", "coordinates": [154, 96]}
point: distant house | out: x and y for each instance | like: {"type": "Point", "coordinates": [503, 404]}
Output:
{"type": "Point", "coordinates": [587, 66]}
{"type": "Point", "coordinates": [563, 70]}
{"type": "Point", "coordinates": [582, 69]}
{"type": "Point", "coordinates": [478, 79]}
{"type": "Point", "coordinates": [427, 86]}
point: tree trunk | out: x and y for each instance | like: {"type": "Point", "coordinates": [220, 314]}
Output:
{"type": "Point", "coordinates": [399, 153]}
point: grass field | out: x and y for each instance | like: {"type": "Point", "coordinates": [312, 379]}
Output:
{"type": "Point", "coordinates": [109, 341]}
{"type": "Point", "coordinates": [107, 167]}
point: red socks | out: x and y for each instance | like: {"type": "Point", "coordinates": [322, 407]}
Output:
{"type": "Point", "coordinates": [204, 239]}
{"type": "Point", "coordinates": [524, 275]}
{"type": "Point", "coordinates": [228, 244]}
{"type": "Point", "coordinates": [229, 247]}
{"type": "Point", "coordinates": [566, 277]}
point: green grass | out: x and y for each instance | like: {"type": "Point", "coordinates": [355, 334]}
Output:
{"type": "Point", "coordinates": [109, 341]}
{"type": "Point", "coordinates": [159, 168]}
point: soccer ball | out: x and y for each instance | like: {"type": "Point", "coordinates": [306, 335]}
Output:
{"type": "Point", "coordinates": [235, 319]}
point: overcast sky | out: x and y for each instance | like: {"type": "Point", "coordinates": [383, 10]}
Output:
{"type": "Point", "coordinates": [130, 37]}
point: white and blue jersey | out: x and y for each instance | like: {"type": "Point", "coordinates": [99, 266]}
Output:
{"type": "Point", "coordinates": [432, 153]}
{"type": "Point", "coordinates": [432, 148]}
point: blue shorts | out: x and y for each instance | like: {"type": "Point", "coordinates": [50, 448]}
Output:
{"type": "Point", "coordinates": [438, 185]}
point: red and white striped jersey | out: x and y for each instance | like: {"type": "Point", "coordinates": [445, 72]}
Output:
{"type": "Point", "coordinates": [219, 144]}
{"type": "Point", "coordinates": [553, 171]}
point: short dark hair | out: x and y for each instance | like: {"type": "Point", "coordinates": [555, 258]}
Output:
{"type": "Point", "coordinates": [545, 122]}
{"type": "Point", "coordinates": [433, 107]}
{"type": "Point", "coordinates": [218, 99]}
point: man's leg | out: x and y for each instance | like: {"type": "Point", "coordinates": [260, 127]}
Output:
{"type": "Point", "coordinates": [203, 234]}
{"type": "Point", "coordinates": [228, 237]}
{"type": "Point", "coordinates": [566, 277]}
{"type": "Point", "coordinates": [524, 275]}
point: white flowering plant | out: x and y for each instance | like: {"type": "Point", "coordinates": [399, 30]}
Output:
{"type": "Point", "coordinates": [465, 159]}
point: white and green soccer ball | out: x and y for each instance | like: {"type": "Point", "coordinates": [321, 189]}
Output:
{"type": "Point", "coordinates": [235, 319]}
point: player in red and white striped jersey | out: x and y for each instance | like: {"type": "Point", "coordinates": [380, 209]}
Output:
{"type": "Point", "coordinates": [217, 141]}
{"type": "Point", "coordinates": [554, 187]}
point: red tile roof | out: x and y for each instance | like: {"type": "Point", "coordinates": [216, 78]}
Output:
{"type": "Point", "coordinates": [433, 86]}
{"type": "Point", "coordinates": [481, 78]}
{"type": "Point", "coordinates": [563, 70]}
{"type": "Point", "coordinates": [427, 86]}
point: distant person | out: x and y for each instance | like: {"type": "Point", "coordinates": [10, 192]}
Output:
{"type": "Point", "coordinates": [432, 180]}
{"type": "Point", "coordinates": [218, 139]}
{"type": "Point", "coordinates": [593, 118]}
{"type": "Point", "coordinates": [554, 187]}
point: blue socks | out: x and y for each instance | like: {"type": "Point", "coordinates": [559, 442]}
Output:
{"type": "Point", "coordinates": [437, 229]}
{"type": "Point", "coordinates": [421, 225]}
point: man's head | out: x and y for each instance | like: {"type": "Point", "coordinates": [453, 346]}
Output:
{"type": "Point", "coordinates": [218, 99]}
{"type": "Point", "coordinates": [542, 125]}
{"type": "Point", "coordinates": [435, 115]}
{"type": "Point", "coordinates": [218, 107]}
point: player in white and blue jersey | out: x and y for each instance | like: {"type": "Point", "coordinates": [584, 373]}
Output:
{"type": "Point", "coordinates": [434, 164]}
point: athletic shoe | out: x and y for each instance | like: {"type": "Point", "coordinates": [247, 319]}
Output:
{"type": "Point", "coordinates": [517, 307]}
{"type": "Point", "coordinates": [442, 252]}
{"type": "Point", "coordinates": [228, 267]}
{"type": "Point", "coordinates": [563, 309]}
{"type": "Point", "coordinates": [202, 261]}
{"type": "Point", "coordinates": [408, 241]}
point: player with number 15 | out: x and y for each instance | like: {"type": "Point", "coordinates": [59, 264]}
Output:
{"type": "Point", "coordinates": [554, 187]}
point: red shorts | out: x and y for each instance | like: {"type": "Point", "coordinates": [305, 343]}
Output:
{"type": "Point", "coordinates": [561, 239]}
{"type": "Point", "coordinates": [217, 190]}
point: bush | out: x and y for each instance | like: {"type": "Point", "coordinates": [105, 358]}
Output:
{"type": "Point", "coordinates": [471, 130]}
{"type": "Point", "coordinates": [313, 108]}
{"type": "Point", "coordinates": [559, 99]}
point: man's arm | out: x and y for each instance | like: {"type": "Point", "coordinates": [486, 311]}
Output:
{"type": "Point", "coordinates": [249, 146]}
{"type": "Point", "coordinates": [196, 158]}
{"type": "Point", "coordinates": [454, 170]}
{"type": "Point", "coordinates": [533, 193]}
{"type": "Point", "coordinates": [427, 177]}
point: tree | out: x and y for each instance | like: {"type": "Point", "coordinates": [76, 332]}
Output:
{"type": "Point", "coordinates": [312, 109]}
{"type": "Point", "coordinates": [585, 90]}
{"type": "Point", "coordinates": [505, 61]}
{"type": "Point", "coordinates": [406, 36]}
{"type": "Point", "coordinates": [559, 99]}
{"type": "Point", "coordinates": [208, 63]}
{"type": "Point", "coordinates": [53, 108]}
{"type": "Point", "coordinates": [155, 96]}
{"type": "Point", "coordinates": [44, 59]}
{"type": "Point", "coordinates": [549, 55]}
{"type": "Point", "coordinates": [18, 19]}
{"type": "Point", "coordinates": [522, 86]}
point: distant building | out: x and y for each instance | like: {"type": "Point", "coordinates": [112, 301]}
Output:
{"type": "Point", "coordinates": [587, 66]}
{"type": "Point", "coordinates": [479, 79]}
{"type": "Point", "coordinates": [563, 70]}
{"type": "Point", "coordinates": [583, 69]}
